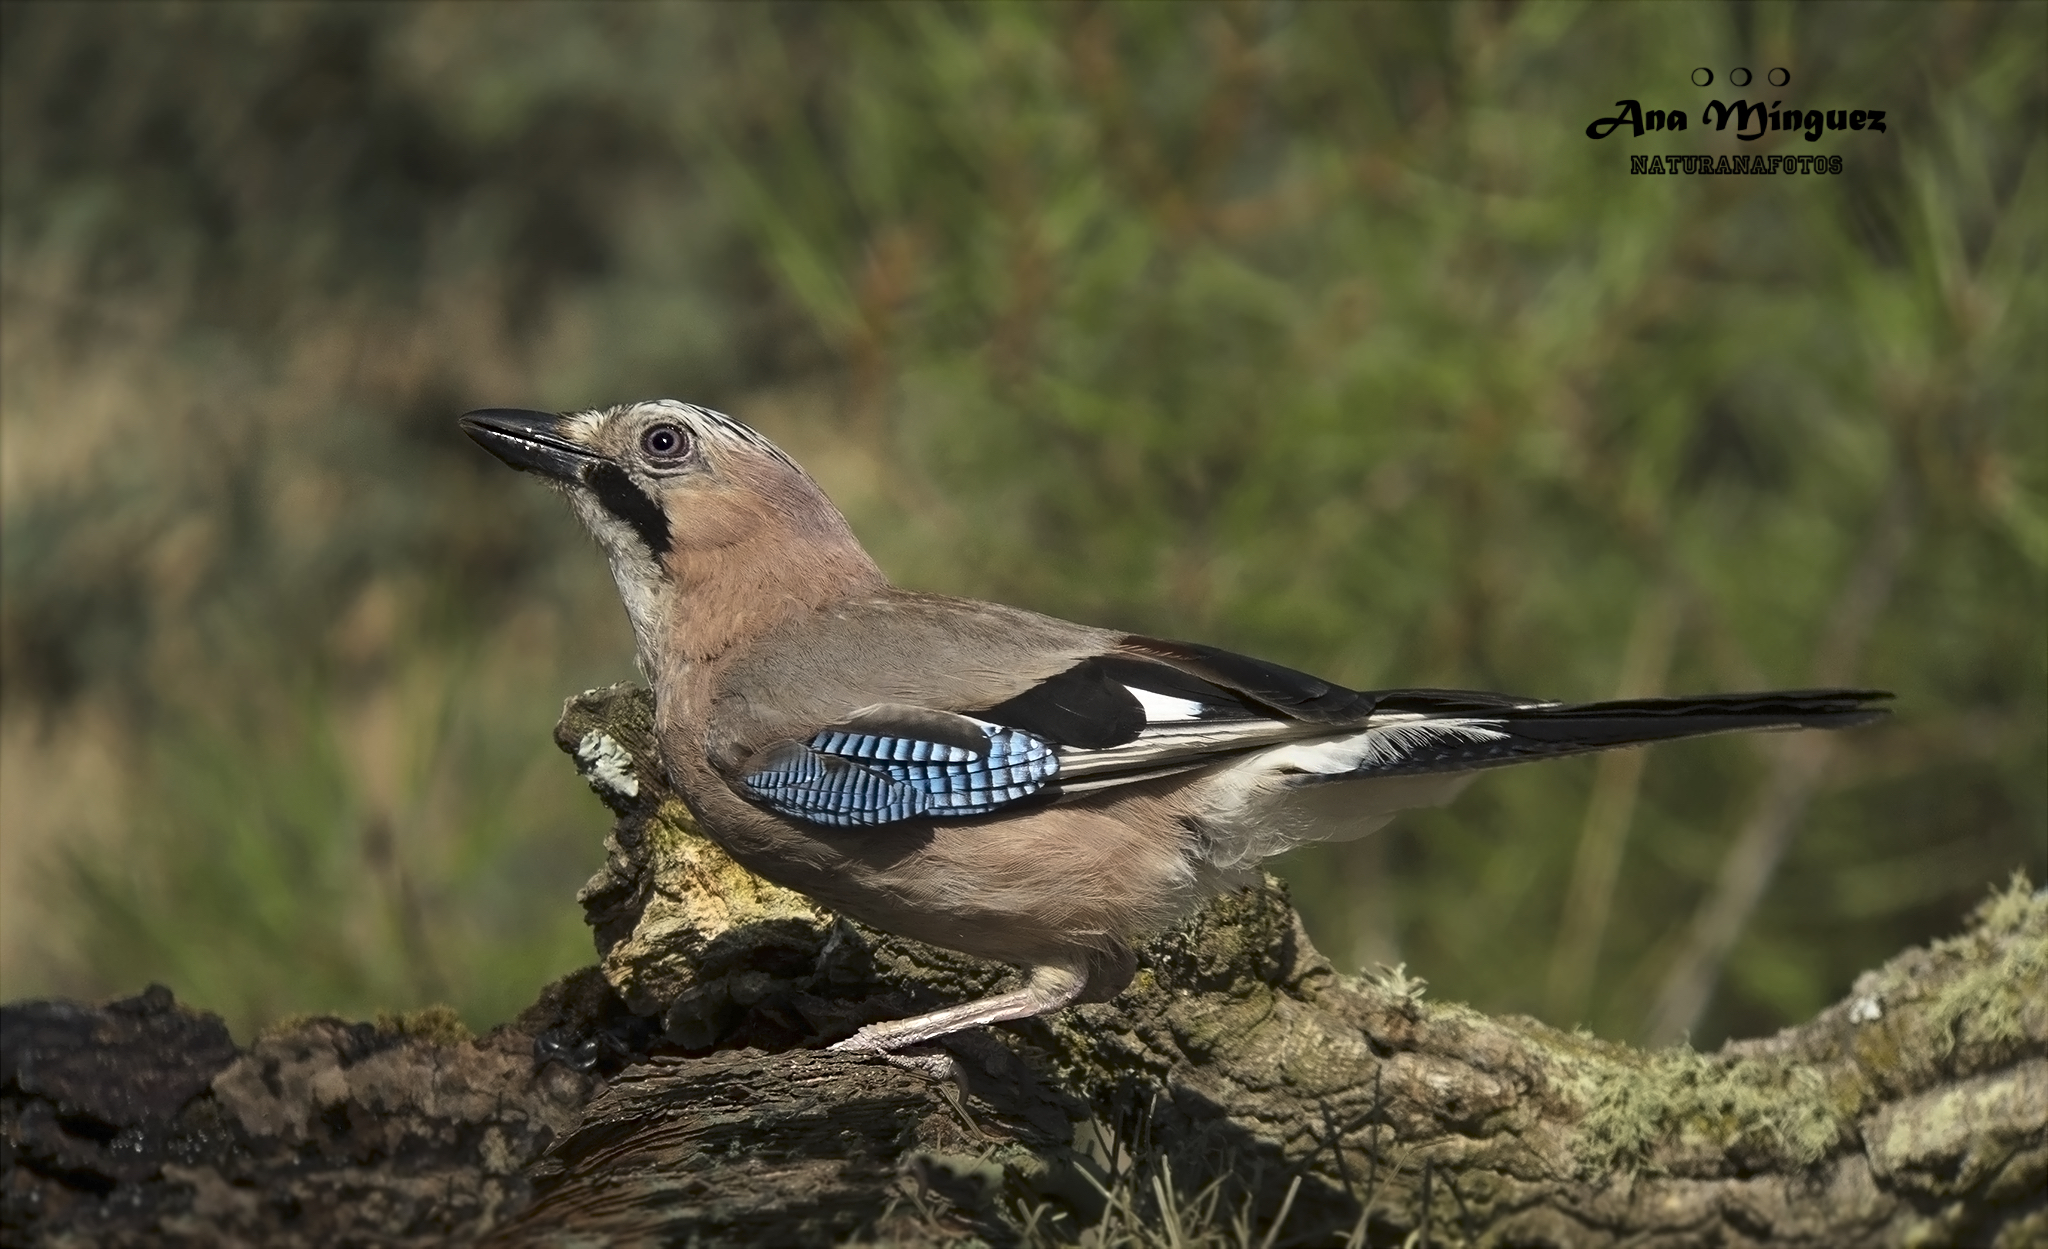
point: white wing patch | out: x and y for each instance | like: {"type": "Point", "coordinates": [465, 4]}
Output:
{"type": "Point", "coordinates": [1165, 708]}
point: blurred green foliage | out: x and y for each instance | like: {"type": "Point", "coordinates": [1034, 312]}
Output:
{"type": "Point", "coordinates": [1317, 331]}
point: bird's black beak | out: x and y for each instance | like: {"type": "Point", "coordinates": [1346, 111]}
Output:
{"type": "Point", "coordinates": [529, 441]}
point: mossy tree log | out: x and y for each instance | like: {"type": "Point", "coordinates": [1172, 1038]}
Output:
{"type": "Point", "coordinates": [676, 1094]}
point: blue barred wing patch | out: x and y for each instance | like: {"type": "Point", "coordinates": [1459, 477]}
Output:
{"type": "Point", "coordinates": [850, 778]}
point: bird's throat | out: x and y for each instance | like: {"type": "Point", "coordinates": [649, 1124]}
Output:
{"type": "Point", "coordinates": [726, 598]}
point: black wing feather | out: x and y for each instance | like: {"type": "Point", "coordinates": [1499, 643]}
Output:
{"type": "Point", "coordinates": [1090, 706]}
{"type": "Point", "coordinates": [1217, 702]}
{"type": "Point", "coordinates": [1083, 707]}
{"type": "Point", "coordinates": [1434, 702]}
{"type": "Point", "coordinates": [1284, 692]}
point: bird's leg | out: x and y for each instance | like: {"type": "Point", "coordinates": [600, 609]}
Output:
{"type": "Point", "coordinates": [1047, 988]}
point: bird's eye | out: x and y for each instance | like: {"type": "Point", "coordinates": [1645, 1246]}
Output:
{"type": "Point", "coordinates": [665, 442]}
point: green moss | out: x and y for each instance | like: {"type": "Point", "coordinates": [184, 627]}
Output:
{"type": "Point", "coordinates": [436, 1025]}
{"type": "Point", "coordinates": [439, 1024]}
{"type": "Point", "coordinates": [1781, 1110]}
{"type": "Point", "coordinates": [285, 1025]}
{"type": "Point", "coordinates": [1982, 989]}
{"type": "Point", "coordinates": [2007, 949]}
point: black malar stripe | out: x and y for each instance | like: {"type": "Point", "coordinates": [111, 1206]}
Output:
{"type": "Point", "coordinates": [629, 503]}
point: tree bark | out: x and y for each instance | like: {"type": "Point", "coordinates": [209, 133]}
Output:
{"type": "Point", "coordinates": [676, 1093]}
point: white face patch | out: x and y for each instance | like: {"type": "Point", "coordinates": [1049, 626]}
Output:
{"type": "Point", "coordinates": [1165, 708]}
{"type": "Point", "coordinates": [642, 587]}
{"type": "Point", "coordinates": [582, 427]}
{"type": "Point", "coordinates": [640, 591]}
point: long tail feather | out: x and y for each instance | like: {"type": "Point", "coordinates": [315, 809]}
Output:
{"type": "Point", "coordinates": [1443, 736]}
{"type": "Point", "coordinates": [1422, 746]}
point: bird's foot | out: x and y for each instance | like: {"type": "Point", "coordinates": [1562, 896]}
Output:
{"type": "Point", "coordinates": [869, 1040]}
{"type": "Point", "coordinates": [934, 1063]}
{"type": "Point", "coordinates": [939, 1066]}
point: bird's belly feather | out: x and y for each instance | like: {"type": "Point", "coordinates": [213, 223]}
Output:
{"type": "Point", "coordinates": [1034, 886]}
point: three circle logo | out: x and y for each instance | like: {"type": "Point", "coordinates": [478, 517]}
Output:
{"type": "Point", "coordinates": [1740, 76]}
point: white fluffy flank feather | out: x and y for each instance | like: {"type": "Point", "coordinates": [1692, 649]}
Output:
{"type": "Point", "coordinates": [1326, 790]}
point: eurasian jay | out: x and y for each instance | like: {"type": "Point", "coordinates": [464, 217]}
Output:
{"type": "Point", "coordinates": [984, 778]}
